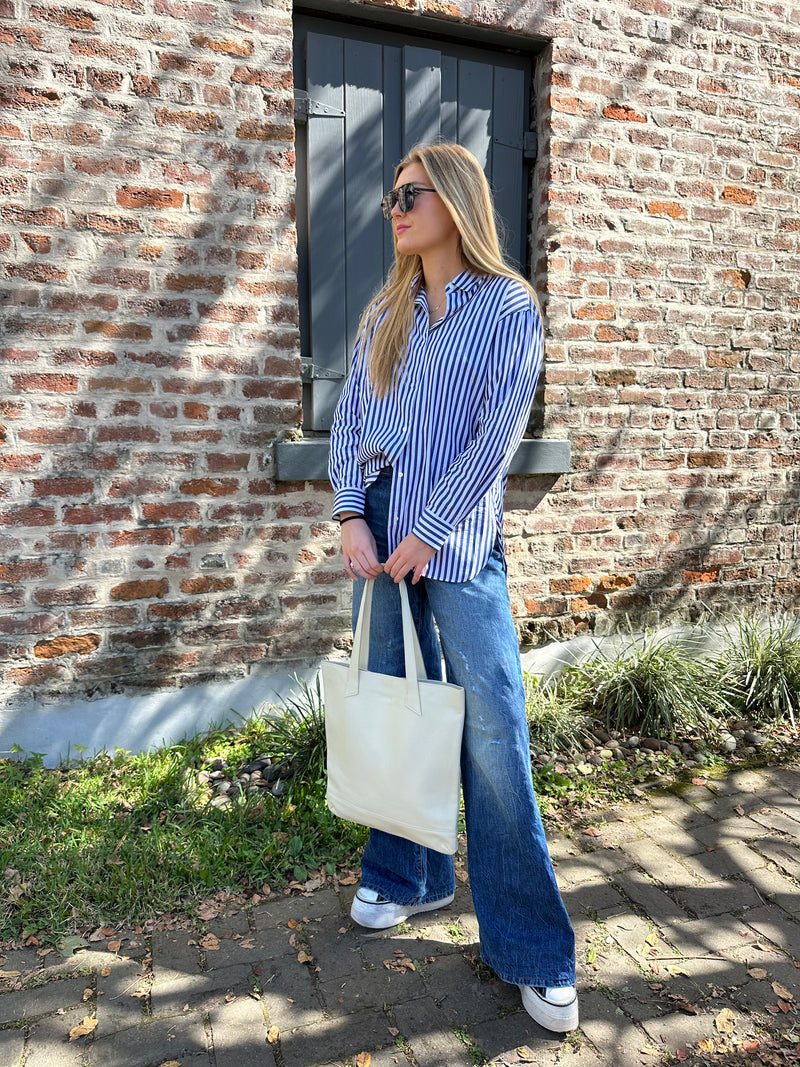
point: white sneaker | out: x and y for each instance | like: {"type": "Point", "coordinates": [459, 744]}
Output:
{"type": "Point", "coordinates": [554, 1009]}
{"type": "Point", "coordinates": [372, 910]}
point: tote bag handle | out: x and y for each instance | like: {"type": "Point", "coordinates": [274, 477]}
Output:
{"type": "Point", "coordinates": [359, 659]}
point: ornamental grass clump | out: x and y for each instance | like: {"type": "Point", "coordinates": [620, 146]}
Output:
{"type": "Point", "coordinates": [556, 719]}
{"type": "Point", "coordinates": [760, 667]}
{"type": "Point", "coordinates": [650, 686]}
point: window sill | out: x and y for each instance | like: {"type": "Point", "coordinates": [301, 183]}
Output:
{"type": "Point", "coordinates": [307, 461]}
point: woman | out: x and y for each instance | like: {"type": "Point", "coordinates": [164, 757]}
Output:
{"type": "Point", "coordinates": [436, 402]}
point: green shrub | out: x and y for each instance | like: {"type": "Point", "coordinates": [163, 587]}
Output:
{"type": "Point", "coordinates": [650, 686]}
{"type": "Point", "coordinates": [760, 666]}
{"type": "Point", "coordinates": [555, 717]}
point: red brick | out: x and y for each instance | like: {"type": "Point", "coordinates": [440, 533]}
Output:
{"type": "Point", "coordinates": [28, 517]}
{"type": "Point", "coordinates": [45, 383]}
{"type": "Point", "coordinates": [213, 536]}
{"type": "Point", "coordinates": [206, 584]}
{"type": "Point", "coordinates": [23, 572]}
{"type": "Point", "coordinates": [179, 512]}
{"type": "Point", "coordinates": [90, 515]}
{"type": "Point", "coordinates": [147, 536]}
{"type": "Point", "coordinates": [710, 574]}
{"type": "Point", "coordinates": [140, 197]}
{"type": "Point", "coordinates": [209, 486]}
{"type": "Point", "coordinates": [141, 589]}
{"type": "Point", "coordinates": [65, 595]}
{"type": "Point", "coordinates": [188, 120]}
{"type": "Point", "coordinates": [570, 585]}
{"type": "Point", "coordinates": [738, 195]}
{"type": "Point", "coordinates": [82, 645]}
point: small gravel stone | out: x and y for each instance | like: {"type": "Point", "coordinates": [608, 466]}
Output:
{"type": "Point", "coordinates": [729, 743]}
{"type": "Point", "coordinates": [634, 742]}
{"type": "Point", "coordinates": [754, 738]}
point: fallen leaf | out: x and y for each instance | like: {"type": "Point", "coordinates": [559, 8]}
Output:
{"type": "Point", "coordinates": [590, 831]}
{"type": "Point", "coordinates": [10, 974]}
{"type": "Point", "coordinates": [773, 1009]}
{"type": "Point", "coordinates": [350, 880]}
{"type": "Point", "coordinates": [739, 809]}
{"type": "Point", "coordinates": [88, 994]}
{"type": "Point", "coordinates": [525, 1054]}
{"type": "Point", "coordinates": [784, 1006]}
{"type": "Point", "coordinates": [86, 1027]}
{"type": "Point", "coordinates": [272, 1035]}
{"type": "Point", "coordinates": [293, 924]}
{"type": "Point", "coordinates": [402, 965]}
{"type": "Point", "coordinates": [106, 971]}
{"type": "Point", "coordinates": [652, 938]}
{"type": "Point", "coordinates": [648, 1050]}
{"type": "Point", "coordinates": [71, 945]}
{"type": "Point", "coordinates": [303, 957]}
{"type": "Point", "coordinates": [675, 969]}
{"type": "Point", "coordinates": [706, 1045]}
{"type": "Point", "coordinates": [114, 946]}
{"type": "Point", "coordinates": [229, 998]}
{"type": "Point", "coordinates": [170, 1063]}
{"type": "Point", "coordinates": [749, 1047]}
{"type": "Point", "coordinates": [682, 1054]}
{"type": "Point", "coordinates": [363, 1059]}
{"type": "Point", "coordinates": [210, 942]}
{"type": "Point", "coordinates": [698, 781]}
{"type": "Point", "coordinates": [725, 1022]}
{"type": "Point", "coordinates": [248, 942]}
{"type": "Point", "coordinates": [208, 911]}
{"type": "Point", "coordinates": [757, 972]}
{"type": "Point", "coordinates": [781, 991]}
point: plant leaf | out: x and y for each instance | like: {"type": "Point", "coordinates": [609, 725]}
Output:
{"type": "Point", "coordinates": [86, 1027]}
{"type": "Point", "coordinates": [725, 1022]}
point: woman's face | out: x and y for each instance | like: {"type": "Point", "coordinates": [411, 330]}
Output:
{"type": "Point", "coordinates": [428, 227]}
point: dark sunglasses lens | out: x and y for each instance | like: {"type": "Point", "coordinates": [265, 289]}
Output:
{"type": "Point", "coordinates": [404, 197]}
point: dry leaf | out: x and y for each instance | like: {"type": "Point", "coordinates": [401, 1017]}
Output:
{"type": "Point", "coordinates": [739, 809]}
{"type": "Point", "coordinates": [210, 942]}
{"type": "Point", "coordinates": [652, 938]}
{"type": "Point", "coordinates": [10, 974]}
{"type": "Point", "coordinates": [363, 1059]}
{"type": "Point", "coordinates": [86, 1027]}
{"type": "Point", "coordinates": [303, 957]}
{"type": "Point", "coordinates": [350, 880]}
{"type": "Point", "coordinates": [393, 1031]}
{"type": "Point", "coordinates": [725, 1021]}
{"type": "Point", "coordinates": [114, 946]}
{"type": "Point", "coordinates": [272, 1035]}
{"type": "Point", "coordinates": [88, 994]}
{"type": "Point", "coordinates": [757, 972]}
{"type": "Point", "coordinates": [170, 1063]}
{"type": "Point", "coordinates": [706, 1045]}
{"type": "Point", "coordinates": [525, 1054]}
{"type": "Point", "coordinates": [248, 942]}
{"type": "Point", "coordinates": [682, 1054]}
{"type": "Point", "coordinates": [773, 1009]}
{"type": "Point", "coordinates": [675, 969]}
{"type": "Point", "coordinates": [648, 1050]}
{"type": "Point", "coordinates": [784, 1006]}
{"type": "Point", "coordinates": [781, 991]}
{"type": "Point", "coordinates": [749, 1047]}
{"type": "Point", "coordinates": [293, 924]}
{"type": "Point", "coordinates": [590, 831]}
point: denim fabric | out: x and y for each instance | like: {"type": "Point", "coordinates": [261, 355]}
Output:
{"type": "Point", "coordinates": [526, 935]}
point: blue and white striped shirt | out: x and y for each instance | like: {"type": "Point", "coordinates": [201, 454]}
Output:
{"type": "Point", "coordinates": [451, 425]}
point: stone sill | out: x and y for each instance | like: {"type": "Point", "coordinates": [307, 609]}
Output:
{"type": "Point", "coordinates": [307, 461]}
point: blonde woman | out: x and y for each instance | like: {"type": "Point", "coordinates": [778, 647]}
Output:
{"type": "Point", "coordinates": [436, 402]}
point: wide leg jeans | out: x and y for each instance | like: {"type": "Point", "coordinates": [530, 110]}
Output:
{"type": "Point", "coordinates": [525, 932]}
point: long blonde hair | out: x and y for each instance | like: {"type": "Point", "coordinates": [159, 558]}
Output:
{"type": "Point", "coordinates": [458, 178]}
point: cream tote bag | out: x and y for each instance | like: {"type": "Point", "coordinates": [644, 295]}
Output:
{"type": "Point", "coordinates": [394, 744]}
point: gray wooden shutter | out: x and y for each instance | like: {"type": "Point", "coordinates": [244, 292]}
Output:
{"type": "Point", "coordinates": [367, 97]}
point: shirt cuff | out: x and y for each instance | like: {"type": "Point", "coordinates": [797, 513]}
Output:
{"type": "Point", "coordinates": [349, 499]}
{"type": "Point", "coordinates": [431, 529]}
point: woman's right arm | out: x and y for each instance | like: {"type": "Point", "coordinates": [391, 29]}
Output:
{"type": "Point", "coordinates": [349, 499]}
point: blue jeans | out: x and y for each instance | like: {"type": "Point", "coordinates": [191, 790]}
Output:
{"type": "Point", "coordinates": [526, 935]}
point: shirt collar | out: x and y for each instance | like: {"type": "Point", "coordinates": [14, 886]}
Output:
{"type": "Point", "coordinates": [462, 287]}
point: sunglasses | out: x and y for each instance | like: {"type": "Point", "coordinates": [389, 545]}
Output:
{"type": "Point", "coordinates": [404, 197]}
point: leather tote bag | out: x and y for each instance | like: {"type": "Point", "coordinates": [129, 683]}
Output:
{"type": "Point", "coordinates": [394, 744]}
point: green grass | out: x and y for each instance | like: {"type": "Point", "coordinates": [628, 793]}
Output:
{"type": "Point", "coordinates": [121, 838]}
{"type": "Point", "coordinates": [556, 718]}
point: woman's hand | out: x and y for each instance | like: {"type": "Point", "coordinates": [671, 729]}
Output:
{"type": "Point", "coordinates": [359, 551]}
{"type": "Point", "coordinates": [411, 554]}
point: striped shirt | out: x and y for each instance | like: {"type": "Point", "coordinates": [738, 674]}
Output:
{"type": "Point", "coordinates": [451, 425]}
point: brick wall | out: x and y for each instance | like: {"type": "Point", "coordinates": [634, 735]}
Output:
{"type": "Point", "coordinates": [149, 347]}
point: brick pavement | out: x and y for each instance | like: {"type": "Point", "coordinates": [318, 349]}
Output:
{"type": "Point", "coordinates": [683, 905]}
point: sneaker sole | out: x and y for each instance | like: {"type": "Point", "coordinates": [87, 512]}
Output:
{"type": "Point", "coordinates": [556, 1017]}
{"type": "Point", "coordinates": [369, 915]}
